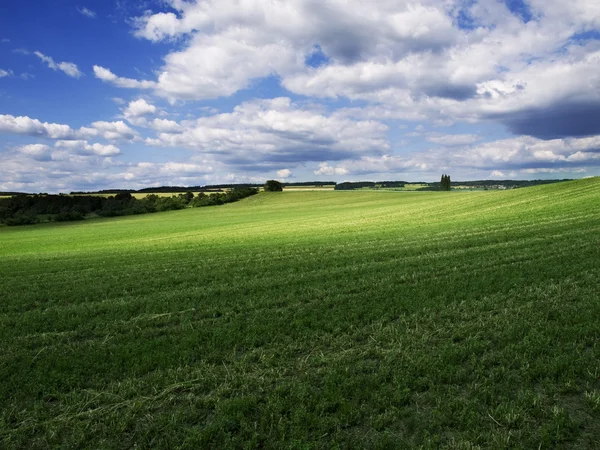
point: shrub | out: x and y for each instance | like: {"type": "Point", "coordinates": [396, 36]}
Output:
{"type": "Point", "coordinates": [273, 186]}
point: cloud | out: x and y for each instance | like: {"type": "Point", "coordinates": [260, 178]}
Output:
{"type": "Point", "coordinates": [136, 111]}
{"type": "Point", "coordinates": [5, 73]}
{"type": "Point", "coordinates": [139, 108]}
{"type": "Point", "coordinates": [109, 77]}
{"type": "Point", "coordinates": [114, 130]}
{"type": "Point", "coordinates": [406, 60]}
{"type": "Point", "coordinates": [326, 169]}
{"type": "Point", "coordinates": [84, 148]}
{"type": "Point", "coordinates": [86, 12]}
{"type": "Point", "coordinates": [284, 173]}
{"type": "Point", "coordinates": [43, 152]}
{"type": "Point", "coordinates": [38, 168]}
{"type": "Point", "coordinates": [144, 174]}
{"type": "Point", "coordinates": [357, 69]}
{"type": "Point", "coordinates": [24, 125]}
{"type": "Point", "coordinates": [559, 120]}
{"type": "Point", "coordinates": [165, 126]}
{"type": "Point", "coordinates": [68, 68]}
{"type": "Point", "coordinates": [274, 131]}
{"type": "Point", "coordinates": [39, 152]}
{"type": "Point", "coordinates": [33, 127]}
{"type": "Point", "coordinates": [230, 44]}
{"type": "Point", "coordinates": [501, 156]}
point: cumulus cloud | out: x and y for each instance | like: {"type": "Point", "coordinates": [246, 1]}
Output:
{"type": "Point", "coordinates": [33, 127]}
{"type": "Point", "coordinates": [136, 111]}
{"type": "Point", "coordinates": [165, 126]}
{"type": "Point", "coordinates": [84, 147]}
{"type": "Point", "coordinates": [231, 43]}
{"type": "Point", "coordinates": [326, 169]}
{"type": "Point", "coordinates": [24, 125]}
{"type": "Point", "coordinates": [40, 152]}
{"type": "Point", "coordinates": [5, 73]}
{"type": "Point", "coordinates": [275, 131]}
{"type": "Point", "coordinates": [68, 68]}
{"type": "Point", "coordinates": [139, 108]}
{"type": "Point", "coordinates": [284, 173]}
{"type": "Point", "coordinates": [113, 130]}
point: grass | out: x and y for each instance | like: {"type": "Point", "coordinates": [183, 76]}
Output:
{"type": "Point", "coordinates": [309, 320]}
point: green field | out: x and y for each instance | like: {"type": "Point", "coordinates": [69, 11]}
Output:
{"type": "Point", "coordinates": [328, 319]}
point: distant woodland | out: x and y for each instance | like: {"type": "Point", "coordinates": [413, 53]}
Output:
{"type": "Point", "coordinates": [23, 209]}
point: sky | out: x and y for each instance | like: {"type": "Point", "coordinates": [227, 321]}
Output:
{"type": "Point", "coordinates": [100, 94]}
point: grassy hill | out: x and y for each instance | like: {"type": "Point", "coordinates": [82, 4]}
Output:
{"type": "Point", "coordinates": [309, 320]}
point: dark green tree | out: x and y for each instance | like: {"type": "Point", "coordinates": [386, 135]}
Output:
{"type": "Point", "coordinates": [273, 186]}
{"type": "Point", "coordinates": [445, 184]}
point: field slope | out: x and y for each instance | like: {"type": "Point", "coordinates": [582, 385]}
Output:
{"type": "Point", "coordinates": [309, 320]}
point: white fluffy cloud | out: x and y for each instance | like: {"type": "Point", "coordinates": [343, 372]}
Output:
{"type": "Point", "coordinates": [165, 126]}
{"type": "Point", "coordinates": [36, 151]}
{"type": "Point", "coordinates": [234, 42]}
{"type": "Point", "coordinates": [33, 127]}
{"type": "Point", "coordinates": [113, 131]}
{"type": "Point", "coordinates": [139, 108]}
{"type": "Point", "coordinates": [68, 68]}
{"type": "Point", "coordinates": [277, 130]}
{"type": "Point", "coordinates": [326, 169]}
{"type": "Point", "coordinates": [85, 148]}
{"type": "Point", "coordinates": [43, 152]}
{"type": "Point", "coordinates": [5, 73]}
{"type": "Point", "coordinates": [284, 173]}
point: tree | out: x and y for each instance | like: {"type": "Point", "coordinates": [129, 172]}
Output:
{"type": "Point", "coordinates": [445, 184]}
{"type": "Point", "coordinates": [273, 186]}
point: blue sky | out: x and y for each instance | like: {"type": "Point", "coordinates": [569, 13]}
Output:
{"type": "Point", "coordinates": [109, 94]}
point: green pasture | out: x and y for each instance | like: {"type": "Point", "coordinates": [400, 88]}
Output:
{"type": "Point", "coordinates": [301, 320]}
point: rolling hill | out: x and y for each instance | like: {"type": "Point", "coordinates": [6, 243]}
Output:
{"type": "Point", "coordinates": [309, 320]}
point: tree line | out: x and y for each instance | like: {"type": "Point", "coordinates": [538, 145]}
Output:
{"type": "Point", "coordinates": [183, 189]}
{"type": "Point", "coordinates": [25, 209]}
{"type": "Point", "coordinates": [351, 185]}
